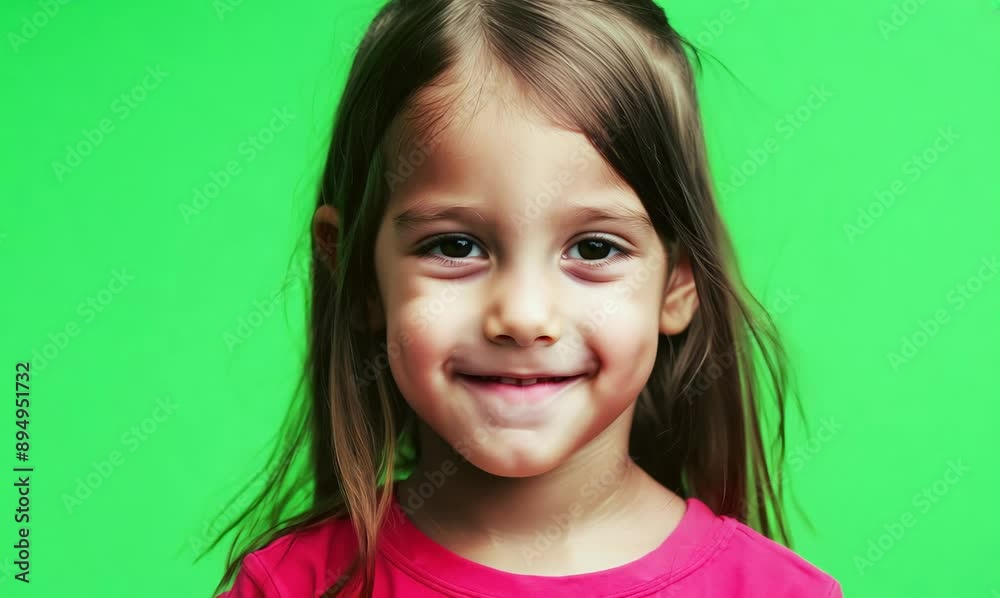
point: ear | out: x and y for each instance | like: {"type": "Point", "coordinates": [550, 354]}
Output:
{"type": "Point", "coordinates": [680, 301]}
{"type": "Point", "coordinates": [326, 230]}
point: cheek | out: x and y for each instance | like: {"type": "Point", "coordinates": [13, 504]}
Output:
{"type": "Point", "coordinates": [407, 321]}
{"type": "Point", "coordinates": [623, 330]}
{"type": "Point", "coordinates": [629, 339]}
{"type": "Point", "coordinates": [429, 317]}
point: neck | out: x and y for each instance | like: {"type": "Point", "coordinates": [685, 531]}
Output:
{"type": "Point", "coordinates": [595, 497]}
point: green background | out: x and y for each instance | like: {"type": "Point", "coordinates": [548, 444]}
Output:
{"type": "Point", "coordinates": [148, 374]}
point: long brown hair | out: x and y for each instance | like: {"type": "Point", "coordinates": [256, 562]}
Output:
{"type": "Point", "coordinates": [616, 71]}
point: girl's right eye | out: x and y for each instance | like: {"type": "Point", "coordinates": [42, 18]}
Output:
{"type": "Point", "coordinates": [452, 249]}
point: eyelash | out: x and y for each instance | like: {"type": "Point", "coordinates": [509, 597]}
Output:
{"type": "Point", "coordinates": [425, 250]}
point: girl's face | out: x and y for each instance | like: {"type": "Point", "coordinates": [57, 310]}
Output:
{"type": "Point", "coordinates": [523, 290]}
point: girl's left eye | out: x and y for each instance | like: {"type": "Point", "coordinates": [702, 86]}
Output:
{"type": "Point", "coordinates": [595, 249]}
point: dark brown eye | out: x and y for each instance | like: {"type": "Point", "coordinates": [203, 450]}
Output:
{"type": "Point", "coordinates": [456, 247]}
{"type": "Point", "coordinates": [594, 249]}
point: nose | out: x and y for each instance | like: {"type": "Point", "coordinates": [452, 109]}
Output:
{"type": "Point", "coordinates": [522, 311]}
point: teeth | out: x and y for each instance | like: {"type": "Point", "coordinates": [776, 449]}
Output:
{"type": "Point", "coordinates": [518, 381]}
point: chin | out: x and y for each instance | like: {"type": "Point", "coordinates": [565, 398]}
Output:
{"type": "Point", "coordinates": [516, 459]}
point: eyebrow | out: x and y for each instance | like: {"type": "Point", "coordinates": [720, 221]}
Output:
{"type": "Point", "coordinates": [417, 216]}
{"type": "Point", "coordinates": [635, 220]}
{"type": "Point", "coordinates": [423, 214]}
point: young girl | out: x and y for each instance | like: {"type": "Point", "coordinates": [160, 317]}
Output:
{"type": "Point", "coordinates": [531, 361]}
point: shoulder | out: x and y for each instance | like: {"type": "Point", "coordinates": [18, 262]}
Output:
{"type": "Point", "coordinates": [760, 564]}
{"type": "Point", "coordinates": [301, 563]}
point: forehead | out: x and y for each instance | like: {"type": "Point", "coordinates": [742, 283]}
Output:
{"type": "Point", "coordinates": [473, 139]}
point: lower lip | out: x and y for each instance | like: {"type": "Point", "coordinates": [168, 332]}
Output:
{"type": "Point", "coordinates": [533, 394]}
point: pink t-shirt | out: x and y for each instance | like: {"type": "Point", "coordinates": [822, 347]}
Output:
{"type": "Point", "coordinates": [705, 556]}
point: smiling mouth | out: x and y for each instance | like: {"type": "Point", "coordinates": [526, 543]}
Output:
{"type": "Point", "coordinates": [520, 381]}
